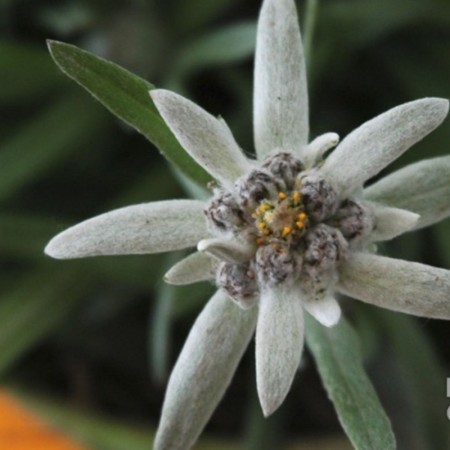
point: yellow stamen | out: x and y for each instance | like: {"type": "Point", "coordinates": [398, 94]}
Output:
{"type": "Point", "coordinates": [296, 197]}
{"type": "Point", "coordinates": [302, 217]}
{"type": "Point", "coordinates": [300, 224]}
{"type": "Point", "coordinates": [281, 195]}
{"type": "Point", "coordinates": [286, 231]}
{"type": "Point", "coordinates": [264, 207]}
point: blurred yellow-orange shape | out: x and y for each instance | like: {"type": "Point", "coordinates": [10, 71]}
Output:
{"type": "Point", "coordinates": [20, 429]}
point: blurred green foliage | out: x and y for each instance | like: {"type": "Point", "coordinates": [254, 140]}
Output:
{"type": "Point", "coordinates": [105, 332]}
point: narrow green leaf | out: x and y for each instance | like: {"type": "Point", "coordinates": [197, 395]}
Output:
{"type": "Point", "coordinates": [421, 372]}
{"type": "Point", "coordinates": [31, 310]}
{"type": "Point", "coordinates": [229, 44]}
{"type": "Point", "coordinates": [60, 130]}
{"type": "Point", "coordinates": [263, 433]}
{"type": "Point", "coordinates": [159, 330]}
{"type": "Point", "coordinates": [339, 361]}
{"type": "Point", "coordinates": [126, 96]}
{"type": "Point", "coordinates": [221, 47]}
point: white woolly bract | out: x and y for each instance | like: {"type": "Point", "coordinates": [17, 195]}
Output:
{"type": "Point", "coordinates": [227, 250]}
{"type": "Point", "coordinates": [391, 222]}
{"type": "Point", "coordinates": [375, 144]}
{"type": "Point", "coordinates": [146, 228]}
{"type": "Point", "coordinates": [208, 140]}
{"type": "Point", "coordinates": [422, 187]}
{"type": "Point", "coordinates": [395, 284]}
{"type": "Point", "coordinates": [325, 310]}
{"type": "Point", "coordinates": [280, 96]}
{"type": "Point", "coordinates": [192, 269]}
{"type": "Point", "coordinates": [315, 150]}
{"type": "Point", "coordinates": [279, 344]}
{"type": "Point", "coordinates": [203, 371]}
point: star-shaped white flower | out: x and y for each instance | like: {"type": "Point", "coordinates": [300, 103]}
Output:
{"type": "Point", "coordinates": [281, 233]}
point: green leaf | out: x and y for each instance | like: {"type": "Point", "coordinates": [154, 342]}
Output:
{"type": "Point", "coordinates": [229, 44]}
{"type": "Point", "coordinates": [126, 96]}
{"type": "Point", "coordinates": [339, 361]}
{"type": "Point", "coordinates": [421, 373]}
{"type": "Point", "coordinates": [35, 307]}
{"type": "Point", "coordinates": [159, 330]}
{"type": "Point", "coordinates": [60, 130]}
{"type": "Point", "coordinates": [222, 47]}
{"type": "Point", "coordinates": [263, 433]}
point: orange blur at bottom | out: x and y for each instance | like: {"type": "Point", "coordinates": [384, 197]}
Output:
{"type": "Point", "coordinates": [20, 429]}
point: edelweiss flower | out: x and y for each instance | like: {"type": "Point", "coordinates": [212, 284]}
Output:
{"type": "Point", "coordinates": [281, 233]}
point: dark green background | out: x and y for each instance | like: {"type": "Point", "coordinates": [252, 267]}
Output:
{"type": "Point", "coordinates": [103, 333]}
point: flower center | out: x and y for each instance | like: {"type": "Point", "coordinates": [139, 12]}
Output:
{"type": "Point", "coordinates": [281, 221]}
{"type": "Point", "coordinates": [302, 230]}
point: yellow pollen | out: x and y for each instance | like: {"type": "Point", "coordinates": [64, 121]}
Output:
{"type": "Point", "coordinates": [302, 217]}
{"type": "Point", "coordinates": [281, 195]}
{"type": "Point", "coordinates": [264, 207]}
{"type": "Point", "coordinates": [296, 197]}
{"type": "Point", "coordinates": [286, 231]}
{"type": "Point", "coordinates": [300, 224]}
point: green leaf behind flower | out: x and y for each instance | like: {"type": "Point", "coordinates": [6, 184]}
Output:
{"type": "Point", "coordinates": [126, 96]}
{"type": "Point", "coordinates": [339, 361]}
{"type": "Point", "coordinates": [422, 377]}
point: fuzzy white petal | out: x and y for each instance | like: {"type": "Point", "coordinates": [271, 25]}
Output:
{"type": "Point", "coordinates": [315, 150]}
{"type": "Point", "coordinates": [280, 98]}
{"type": "Point", "coordinates": [391, 222]}
{"type": "Point", "coordinates": [138, 229]}
{"type": "Point", "coordinates": [203, 371]}
{"type": "Point", "coordinates": [227, 250]}
{"type": "Point", "coordinates": [399, 285]}
{"type": "Point", "coordinates": [279, 344]}
{"type": "Point", "coordinates": [378, 142]}
{"type": "Point", "coordinates": [422, 187]}
{"type": "Point", "coordinates": [325, 310]}
{"type": "Point", "coordinates": [192, 269]}
{"type": "Point", "coordinates": [207, 139]}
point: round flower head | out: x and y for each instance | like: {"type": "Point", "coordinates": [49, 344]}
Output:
{"type": "Point", "coordinates": [281, 234]}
